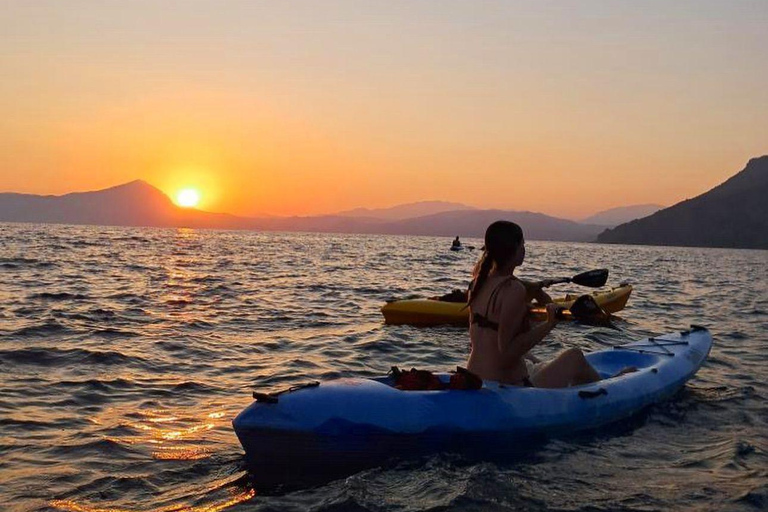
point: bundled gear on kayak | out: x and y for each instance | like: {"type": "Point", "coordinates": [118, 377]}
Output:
{"type": "Point", "coordinates": [425, 380]}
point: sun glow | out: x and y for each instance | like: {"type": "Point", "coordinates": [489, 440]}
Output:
{"type": "Point", "coordinates": [188, 197]}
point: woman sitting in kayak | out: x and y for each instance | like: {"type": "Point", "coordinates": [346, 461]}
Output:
{"type": "Point", "coordinates": [500, 331]}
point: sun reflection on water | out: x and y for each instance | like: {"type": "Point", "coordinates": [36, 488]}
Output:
{"type": "Point", "coordinates": [171, 436]}
{"type": "Point", "coordinates": [174, 453]}
{"type": "Point", "coordinates": [239, 497]}
{"type": "Point", "coordinates": [163, 419]}
{"type": "Point", "coordinates": [167, 436]}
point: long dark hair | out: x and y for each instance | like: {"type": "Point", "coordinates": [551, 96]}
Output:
{"type": "Point", "coordinates": [502, 239]}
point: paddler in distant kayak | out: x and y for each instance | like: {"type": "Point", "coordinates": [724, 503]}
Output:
{"type": "Point", "coordinates": [456, 243]}
{"type": "Point", "coordinates": [500, 331]}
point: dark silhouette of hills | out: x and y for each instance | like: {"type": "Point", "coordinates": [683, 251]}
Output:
{"type": "Point", "coordinates": [406, 211]}
{"type": "Point", "coordinates": [733, 214]}
{"type": "Point", "coordinates": [140, 204]}
{"type": "Point", "coordinates": [466, 223]}
{"type": "Point", "coordinates": [133, 204]}
{"type": "Point", "coordinates": [473, 223]}
{"type": "Point", "coordinates": [616, 216]}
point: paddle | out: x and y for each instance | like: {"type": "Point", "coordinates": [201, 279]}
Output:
{"type": "Point", "coordinates": [591, 278]}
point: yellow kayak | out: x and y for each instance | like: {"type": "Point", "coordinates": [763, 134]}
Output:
{"type": "Point", "coordinates": [426, 312]}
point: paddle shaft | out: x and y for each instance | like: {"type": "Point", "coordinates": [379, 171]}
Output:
{"type": "Point", "coordinates": [592, 278]}
{"type": "Point", "coordinates": [549, 282]}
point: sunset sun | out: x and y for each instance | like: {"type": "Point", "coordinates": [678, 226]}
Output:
{"type": "Point", "coordinates": [188, 197]}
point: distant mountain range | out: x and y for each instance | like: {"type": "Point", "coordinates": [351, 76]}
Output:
{"type": "Point", "coordinates": [733, 214]}
{"type": "Point", "coordinates": [615, 216]}
{"type": "Point", "coordinates": [140, 204]}
{"type": "Point", "coordinates": [472, 223]}
{"type": "Point", "coordinates": [406, 211]}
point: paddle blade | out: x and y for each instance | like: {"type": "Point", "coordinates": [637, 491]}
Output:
{"type": "Point", "coordinates": [592, 278]}
{"type": "Point", "coordinates": [586, 309]}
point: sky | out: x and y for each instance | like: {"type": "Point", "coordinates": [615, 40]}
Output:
{"type": "Point", "coordinates": [311, 107]}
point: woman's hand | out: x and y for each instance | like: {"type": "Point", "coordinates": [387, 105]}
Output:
{"type": "Point", "coordinates": [552, 311]}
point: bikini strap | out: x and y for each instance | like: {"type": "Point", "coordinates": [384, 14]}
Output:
{"type": "Point", "coordinates": [484, 320]}
{"type": "Point", "coordinates": [495, 293]}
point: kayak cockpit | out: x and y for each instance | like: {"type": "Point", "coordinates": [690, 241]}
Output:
{"type": "Point", "coordinates": [608, 363]}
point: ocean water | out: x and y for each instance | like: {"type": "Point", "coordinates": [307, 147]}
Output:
{"type": "Point", "coordinates": [126, 352]}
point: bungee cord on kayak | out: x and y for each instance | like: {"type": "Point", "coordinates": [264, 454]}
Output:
{"type": "Point", "coordinates": [653, 342]}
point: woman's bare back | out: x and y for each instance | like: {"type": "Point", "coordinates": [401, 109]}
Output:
{"type": "Point", "coordinates": [486, 358]}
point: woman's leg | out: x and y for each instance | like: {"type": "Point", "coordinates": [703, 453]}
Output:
{"type": "Point", "coordinates": [569, 368]}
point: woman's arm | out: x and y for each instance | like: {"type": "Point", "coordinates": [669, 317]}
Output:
{"type": "Point", "coordinates": [525, 341]}
{"type": "Point", "coordinates": [514, 344]}
{"type": "Point", "coordinates": [535, 291]}
{"type": "Point", "coordinates": [542, 297]}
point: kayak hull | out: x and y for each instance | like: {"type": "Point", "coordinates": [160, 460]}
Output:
{"type": "Point", "coordinates": [344, 424]}
{"type": "Point", "coordinates": [429, 312]}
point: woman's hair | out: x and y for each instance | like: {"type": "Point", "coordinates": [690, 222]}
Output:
{"type": "Point", "coordinates": [502, 239]}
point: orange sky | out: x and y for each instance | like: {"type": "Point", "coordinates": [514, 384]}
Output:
{"type": "Point", "coordinates": [561, 108]}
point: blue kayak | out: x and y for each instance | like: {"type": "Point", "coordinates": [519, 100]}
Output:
{"type": "Point", "coordinates": [354, 421]}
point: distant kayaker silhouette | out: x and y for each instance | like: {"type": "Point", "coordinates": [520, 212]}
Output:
{"type": "Point", "coordinates": [500, 332]}
{"type": "Point", "coordinates": [456, 245]}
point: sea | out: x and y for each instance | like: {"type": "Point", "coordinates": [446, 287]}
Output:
{"type": "Point", "coordinates": [125, 353]}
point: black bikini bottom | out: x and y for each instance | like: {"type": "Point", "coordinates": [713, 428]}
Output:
{"type": "Point", "coordinates": [524, 382]}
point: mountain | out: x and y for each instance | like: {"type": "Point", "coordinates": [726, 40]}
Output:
{"type": "Point", "coordinates": [406, 211]}
{"type": "Point", "coordinates": [133, 204]}
{"type": "Point", "coordinates": [140, 204]}
{"type": "Point", "coordinates": [615, 216]}
{"type": "Point", "coordinates": [464, 223]}
{"type": "Point", "coordinates": [536, 226]}
{"type": "Point", "coordinates": [733, 214]}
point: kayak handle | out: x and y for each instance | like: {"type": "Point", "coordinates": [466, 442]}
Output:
{"type": "Point", "coordinates": [272, 398]}
{"type": "Point", "coordinates": [592, 394]}
{"type": "Point", "coordinates": [267, 398]}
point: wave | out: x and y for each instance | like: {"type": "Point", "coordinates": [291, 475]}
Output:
{"type": "Point", "coordinates": [756, 498]}
{"type": "Point", "coordinates": [59, 296]}
{"type": "Point", "coordinates": [25, 425]}
{"type": "Point", "coordinates": [24, 263]}
{"type": "Point", "coordinates": [105, 447]}
{"type": "Point", "coordinates": [50, 356]}
{"type": "Point", "coordinates": [98, 385]}
{"type": "Point", "coordinates": [48, 328]}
